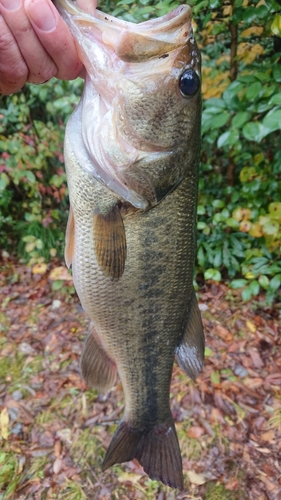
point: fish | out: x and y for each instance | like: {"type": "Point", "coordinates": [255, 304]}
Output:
{"type": "Point", "coordinates": [132, 150]}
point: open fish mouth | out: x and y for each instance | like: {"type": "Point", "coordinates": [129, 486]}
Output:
{"type": "Point", "coordinates": [125, 62]}
{"type": "Point", "coordinates": [131, 41]}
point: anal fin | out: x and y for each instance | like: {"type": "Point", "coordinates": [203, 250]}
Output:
{"type": "Point", "coordinates": [97, 369]}
{"type": "Point", "coordinates": [190, 352]}
{"type": "Point", "coordinates": [69, 239]}
{"type": "Point", "coordinates": [110, 242]}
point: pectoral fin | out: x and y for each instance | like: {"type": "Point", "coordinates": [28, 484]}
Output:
{"type": "Point", "coordinates": [110, 242]}
{"type": "Point", "coordinates": [97, 369]}
{"type": "Point", "coordinates": [69, 239]}
{"type": "Point", "coordinates": [190, 353]}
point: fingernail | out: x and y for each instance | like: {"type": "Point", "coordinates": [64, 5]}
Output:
{"type": "Point", "coordinates": [11, 4]}
{"type": "Point", "coordinates": [42, 14]}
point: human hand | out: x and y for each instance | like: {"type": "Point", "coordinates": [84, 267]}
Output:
{"type": "Point", "coordinates": [35, 44]}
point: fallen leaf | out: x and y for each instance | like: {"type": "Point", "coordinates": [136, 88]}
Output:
{"type": "Point", "coordinates": [57, 465]}
{"type": "Point", "coordinates": [39, 268]}
{"type": "Point", "coordinates": [268, 436]}
{"type": "Point", "coordinates": [60, 273]}
{"type": "Point", "coordinates": [195, 478]}
{"type": "Point", "coordinates": [232, 484]}
{"type": "Point", "coordinates": [223, 332]}
{"type": "Point", "coordinates": [4, 423]}
{"type": "Point", "coordinates": [250, 326]}
{"type": "Point", "coordinates": [256, 359]}
{"type": "Point", "coordinates": [253, 383]}
{"type": "Point", "coordinates": [195, 432]}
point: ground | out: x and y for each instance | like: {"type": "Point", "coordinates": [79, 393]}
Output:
{"type": "Point", "coordinates": [54, 430]}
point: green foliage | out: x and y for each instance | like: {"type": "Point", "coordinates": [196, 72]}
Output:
{"type": "Point", "coordinates": [33, 192]}
{"type": "Point", "coordinates": [239, 212]}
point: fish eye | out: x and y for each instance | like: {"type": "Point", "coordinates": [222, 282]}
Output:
{"type": "Point", "coordinates": [189, 83]}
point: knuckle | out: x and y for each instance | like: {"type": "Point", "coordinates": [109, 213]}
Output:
{"type": "Point", "coordinates": [45, 73]}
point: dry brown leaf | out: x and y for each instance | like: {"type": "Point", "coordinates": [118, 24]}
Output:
{"type": "Point", "coordinates": [250, 325]}
{"type": "Point", "coordinates": [195, 478]}
{"type": "Point", "coordinates": [253, 383]}
{"type": "Point", "coordinates": [60, 273]}
{"type": "Point", "coordinates": [57, 465]}
{"type": "Point", "coordinates": [223, 333]}
{"type": "Point", "coordinates": [232, 484]}
{"type": "Point", "coordinates": [256, 359]}
{"type": "Point", "coordinates": [4, 423]}
{"type": "Point", "coordinates": [195, 432]}
{"type": "Point", "coordinates": [268, 436]}
{"type": "Point", "coordinates": [39, 268]}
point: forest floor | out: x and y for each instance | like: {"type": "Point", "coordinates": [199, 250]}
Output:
{"type": "Point", "coordinates": [54, 430]}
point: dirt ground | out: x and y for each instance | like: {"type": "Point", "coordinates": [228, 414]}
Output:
{"type": "Point", "coordinates": [54, 430]}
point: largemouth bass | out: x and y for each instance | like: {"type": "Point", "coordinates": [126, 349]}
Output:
{"type": "Point", "coordinates": [131, 153]}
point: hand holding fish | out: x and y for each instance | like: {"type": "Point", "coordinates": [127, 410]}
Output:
{"type": "Point", "coordinates": [35, 44]}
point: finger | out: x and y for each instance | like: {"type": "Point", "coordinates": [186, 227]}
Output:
{"type": "Point", "coordinates": [13, 70]}
{"type": "Point", "coordinates": [55, 37]}
{"type": "Point", "coordinates": [40, 65]}
{"type": "Point", "coordinates": [88, 5]}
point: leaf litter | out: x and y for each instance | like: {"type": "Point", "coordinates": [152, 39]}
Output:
{"type": "Point", "coordinates": [54, 430]}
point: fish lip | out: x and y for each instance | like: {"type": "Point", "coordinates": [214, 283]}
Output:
{"type": "Point", "coordinates": [160, 27]}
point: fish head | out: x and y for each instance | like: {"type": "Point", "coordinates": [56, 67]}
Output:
{"type": "Point", "coordinates": [141, 107]}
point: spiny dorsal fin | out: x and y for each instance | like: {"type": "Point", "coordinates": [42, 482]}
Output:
{"type": "Point", "coordinates": [190, 353]}
{"type": "Point", "coordinates": [69, 239]}
{"type": "Point", "coordinates": [97, 369]}
{"type": "Point", "coordinates": [110, 242]}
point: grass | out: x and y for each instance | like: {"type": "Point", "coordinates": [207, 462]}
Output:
{"type": "Point", "coordinates": [9, 477]}
{"type": "Point", "coordinates": [216, 491]}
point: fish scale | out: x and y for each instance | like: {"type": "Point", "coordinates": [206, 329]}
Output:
{"type": "Point", "coordinates": [131, 154]}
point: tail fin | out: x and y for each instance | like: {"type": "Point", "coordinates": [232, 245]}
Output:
{"type": "Point", "coordinates": [157, 450]}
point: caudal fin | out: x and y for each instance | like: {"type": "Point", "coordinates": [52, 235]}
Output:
{"type": "Point", "coordinates": [157, 450]}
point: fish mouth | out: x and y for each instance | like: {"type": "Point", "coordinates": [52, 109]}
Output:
{"type": "Point", "coordinates": [135, 42]}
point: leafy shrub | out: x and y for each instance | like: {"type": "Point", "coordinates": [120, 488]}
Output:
{"type": "Point", "coordinates": [32, 178]}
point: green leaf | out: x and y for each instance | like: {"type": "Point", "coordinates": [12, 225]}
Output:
{"type": "Point", "coordinates": [276, 25]}
{"type": "Point", "coordinates": [208, 352]}
{"type": "Point", "coordinates": [57, 285]}
{"type": "Point", "coordinates": [253, 131]}
{"type": "Point", "coordinates": [218, 203]}
{"type": "Point", "coordinates": [246, 294]}
{"type": "Point", "coordinates": [201, 210]}
{"type": "Point", "coordinates": [201, 257]}
{"type": "Point", "coordinates": [254, 287]}
{"type": "Point", "coordinates": [240, 118]}
{"type": "Point", "coordinates": [30, 176]}
{"type": "Point", "coordinates": [275, 99]}
{"type": "Point", "coordinates": [238, 283]}
{"type": "Point", "coordinates": [262, 11]}
{"type": "Point", "coordinates": [220, 120]}
{"type": "Point", "coordinates": [253, 90]}
{"type": "Point", "coordinates": [272, 121]}
{"type": "Point", "coordinates": [223, 139]}
{"type": "Point", "coordinates": [249, 14]}
{"type": "Point", "coordinates": [201, 225]}
{"type": "Point", "coordinates": [271, 227]}
{"type": "Point", "coordinates": [264, 281]}
{"type": "Point", "coordinates": [233, 223]}
{"type": "Point", "coordinates": [215, 377]}
{"type": "Point", "coordinates": [212, 274]}
{"type": "Point", "coordinates": [275, 282]}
